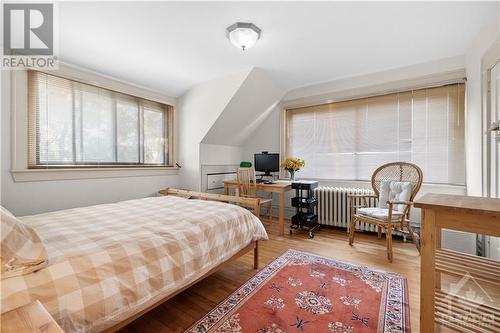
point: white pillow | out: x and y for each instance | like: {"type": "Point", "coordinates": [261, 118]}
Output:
{"type": "Point", "coordinates": [394, 191]}
{"type": "Point", "coordinates": [22, 251]}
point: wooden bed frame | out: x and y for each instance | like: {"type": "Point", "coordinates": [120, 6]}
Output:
{"type": "Point", "coordinates": [253, 203]}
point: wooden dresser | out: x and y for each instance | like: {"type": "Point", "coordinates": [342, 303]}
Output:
{"type": "Point", "coordinates": [470, 303]}
{"type": "Point", "coordinates": [31, 318]}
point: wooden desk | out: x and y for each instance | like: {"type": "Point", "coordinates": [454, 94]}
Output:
{"type": "Point", "coordinates": [30, 318]}
{"type": "Point", "coordinates": [437, 307]}
{"type": "Point", "coordinates": [280, 187]}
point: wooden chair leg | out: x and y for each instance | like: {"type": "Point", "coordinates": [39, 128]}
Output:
{"type": "Point", "coordinates": [388, 237]}
{"type": "Point", "coordinates": [257, 211]}
{"type": "Point", "coordinates": [379, 232]}
{"type": "Point", "coordinates": [270, 211]}
{"type": "Point", "coordinates": [351, 231]}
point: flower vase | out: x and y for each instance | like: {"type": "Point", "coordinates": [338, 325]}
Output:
{"type": "Point", "coordinates": [292, 175]}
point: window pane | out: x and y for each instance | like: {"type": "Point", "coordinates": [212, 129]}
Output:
{"type": "Point", "coordinates": [78, 124]}
{"type": "Point", "coordinates": [377, 125]}
{"type": "Point", "coordinates": [336, 130]}
{"type": "Point", "coordinates": [97, 127]}
{"type": "Point", "coordinates": [340, 165]}
{"type": "Point", "coordinates": [349, 140]}
{"type": "Point", "coordinates": [405, 120]}
{"type": "Point", "coordinates": [368, 162]}
{"type": "Point", "coordinates": [153, 136]}
{"type": "Point", "coordinates": [127, 120]}
{"type": "Point", "coordinates": [55, 124]}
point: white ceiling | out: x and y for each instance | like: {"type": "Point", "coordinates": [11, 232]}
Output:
{"type": "Point", "coordinates": [171, 46]}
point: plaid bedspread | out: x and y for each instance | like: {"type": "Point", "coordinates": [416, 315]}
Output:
{"type": "Point", "coordinates": [108, 262]}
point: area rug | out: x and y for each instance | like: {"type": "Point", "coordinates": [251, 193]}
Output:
{"type": "Point", "coordinates": [303, 292]}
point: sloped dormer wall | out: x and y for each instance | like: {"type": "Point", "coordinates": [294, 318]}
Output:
{"type": "Point", "coordinates": [218, 117]}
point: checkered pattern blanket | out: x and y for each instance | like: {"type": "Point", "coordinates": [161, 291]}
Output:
{"type": "Point", "coordinates": [108, 262]}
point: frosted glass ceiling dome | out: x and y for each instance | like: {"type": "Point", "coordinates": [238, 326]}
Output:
{"type": "Point", "coordinates": [243, 35]}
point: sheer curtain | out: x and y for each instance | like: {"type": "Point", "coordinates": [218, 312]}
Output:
{"type": "Point", "coordinates": [349, 140]}
{"type": "Point", "coordinates": [76, 124]}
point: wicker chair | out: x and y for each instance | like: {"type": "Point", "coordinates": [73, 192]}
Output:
{"type": "Point", "coordinates": [399, 172]}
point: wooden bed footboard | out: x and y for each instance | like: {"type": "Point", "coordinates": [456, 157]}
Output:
{"type": "Point", "coordinates": [253, 203]}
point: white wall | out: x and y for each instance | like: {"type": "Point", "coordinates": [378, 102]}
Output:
{"type": "Point", "coordinates": [476, 113]}
{"type": "Point", "coordinates": [218, 116]}
{"type": "Point", "coordinates": [25, 198]}
{"type": "Point", "coordinates": [265, 138]}
{"type": "Point", "coordinates": [396, 78]}
{"type": "Point", "coordinates": [220, 154]}
{"type": "Point", "coordinates": [198, 109]}
{"type": "Point", "coordinates": [256, 98]}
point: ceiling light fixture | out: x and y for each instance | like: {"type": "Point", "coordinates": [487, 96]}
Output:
{"type": "Point", "coordinates": [243, 35]}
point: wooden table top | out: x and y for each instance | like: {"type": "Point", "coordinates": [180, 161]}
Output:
{"type": "Point", "coordinates": [466, 204]}
{"type": "Point", "coordinates": [279, 184]}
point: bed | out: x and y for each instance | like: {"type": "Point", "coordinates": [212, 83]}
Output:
{"type": "Point", "coordinates": [108, 264]}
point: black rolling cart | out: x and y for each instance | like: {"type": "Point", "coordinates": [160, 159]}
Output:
{"type": "Point", "coordinates": [304, 202]}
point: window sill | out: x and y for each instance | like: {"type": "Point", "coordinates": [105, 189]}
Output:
{"type": "Point", "coordinates": [30, 175]}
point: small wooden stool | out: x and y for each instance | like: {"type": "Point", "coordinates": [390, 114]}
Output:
{"type": "Point", "coordinates": [30, 318]}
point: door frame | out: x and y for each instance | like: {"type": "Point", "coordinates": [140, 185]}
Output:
{"type": "Point", "coordinates": [489, 245]}
{"type": "Point", "coordinates": [489, 60]}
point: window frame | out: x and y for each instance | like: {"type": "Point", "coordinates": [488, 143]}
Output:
{"type": "Point", "coordinates": [19, 129]}
{"type": "Point", "coordinates": [141, 103]}
{"type": "Point", "coordinates": [431, 81]}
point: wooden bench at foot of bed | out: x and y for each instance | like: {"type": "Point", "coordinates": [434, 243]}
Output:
{"type": "Point", "coordinates": [252, 203]}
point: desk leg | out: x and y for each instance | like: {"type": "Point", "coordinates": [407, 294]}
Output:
{"type": "Point", "coordinates": [438, 246]}
{"type": "Point", "coordinates": [427, 271]}
{"type": "Point", "coordinates": [226, 189]}
{"type": "Point", "coordinates": [281, 215]}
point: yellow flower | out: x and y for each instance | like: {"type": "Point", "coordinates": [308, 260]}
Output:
{"type": "Point", "coordinates": [293, 164]}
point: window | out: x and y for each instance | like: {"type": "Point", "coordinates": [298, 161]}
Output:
{"type": "Point", "coordinates": [72, 124]}
{"type": "Point", "coordinates": [349, 140]}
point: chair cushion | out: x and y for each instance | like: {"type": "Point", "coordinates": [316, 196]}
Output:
{"type": "Point", "coordinates": [379, 213]}
{"type": "Point", "coordinates": [394, 191]}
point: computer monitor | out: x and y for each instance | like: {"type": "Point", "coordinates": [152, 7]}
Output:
{"type": "Point", "coordinates": [267, 163]}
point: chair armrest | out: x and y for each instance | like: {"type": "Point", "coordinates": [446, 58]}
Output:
{"type": "Point", "coordinates": [395, 202]}
{"type": "Point", "coordinates": [408, 203]}
{"type": "Point", "coordinates": [364, 197]}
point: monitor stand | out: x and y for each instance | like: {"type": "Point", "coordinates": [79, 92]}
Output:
{"type": "Point", "coordinates": [266, 174]}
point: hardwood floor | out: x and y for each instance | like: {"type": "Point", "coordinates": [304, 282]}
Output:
{"type": "Point", "coordinates": [180, 312]}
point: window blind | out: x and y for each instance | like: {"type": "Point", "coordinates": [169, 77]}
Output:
{"type": "Point", "coordinates": [349, 140]}
{"type": "Point", "coordinates": [73, 124]}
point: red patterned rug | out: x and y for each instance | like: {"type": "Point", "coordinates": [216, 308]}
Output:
{"type": "Point", "coordinates": [302, 292]}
